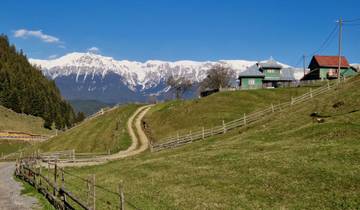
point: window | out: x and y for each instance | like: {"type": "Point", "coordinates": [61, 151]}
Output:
{"type": "Point", "coordinates": [251, 81]}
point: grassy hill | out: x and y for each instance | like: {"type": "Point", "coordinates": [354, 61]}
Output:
{"type": "Point", "coordinates": [168, 118]}
{"type": "Point", "coordinates": [89, 107]}
{"type": "Point", "coordinates": [287, 161]}
{"type": "Point", "coordinates": [106, 132]}
{"type": "Point", "coordinates": [10, 146]}
{"type": "Point", "coordinates": [12, 121]}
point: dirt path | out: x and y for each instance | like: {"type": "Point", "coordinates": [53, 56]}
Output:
{"type": "Point", "coordinates": [140, 142]}
{"type": "Point", "coordinates": [10, 190]}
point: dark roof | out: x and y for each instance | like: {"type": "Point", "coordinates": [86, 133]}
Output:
{"type": "Point", "coordinates": [270, 64]}
{"type": "Point", "coordinates": [287, 74]}
{"type": "Point", "coordinates": [328, 61]}
{"type": "Point", "coordinates": [252, 71]}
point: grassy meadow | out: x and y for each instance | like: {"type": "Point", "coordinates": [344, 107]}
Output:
{"type": "Point", "coordinates": [10, 146]}
{"type": "Point", "coordinates": [12, 121]}
{"type": "Point", "coordinates": [104, 133]}
{"type": "Point", "coordinates": [166, 119]}
{"type": "Point", "coordinates": [289, 160]}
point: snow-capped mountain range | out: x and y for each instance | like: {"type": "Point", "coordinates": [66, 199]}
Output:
{"type": "Point", "coordinates": [81, 72]}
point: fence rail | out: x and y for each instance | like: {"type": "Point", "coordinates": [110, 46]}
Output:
{"type": "Point", "coordinates": [52, 183]}
{"type": "Point", "coordinates": [179, 140]}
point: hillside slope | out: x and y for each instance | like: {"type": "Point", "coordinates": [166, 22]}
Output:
{"type": "Point", "coordinates": [12, 121]}
{"type": "Point", "coordinates": [102, 134]}
{"type": "Point", "coordinates": [183, 116]}
{"type": "Point", "coordinates": [287, 161]}
{"type": "Point", "coordinates": [88, 107]}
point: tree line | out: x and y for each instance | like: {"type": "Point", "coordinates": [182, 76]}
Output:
{"type": "Point", "coordinates": [24, 89]}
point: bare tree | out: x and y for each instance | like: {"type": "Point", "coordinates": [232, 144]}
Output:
{"type": "Point", "coordinates": [218, 77]}
{"type": "Point", "coordinates": [179, 85]}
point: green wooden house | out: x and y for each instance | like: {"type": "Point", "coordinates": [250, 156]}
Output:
{"type": "Point", "coordinates": [267, 74]}
{"type": "Point", "coordinates": [326, 67]}
{"type": "Point", "coordinates": [272, 72]}
{"type": "Point", "coordinates": [251, 78]}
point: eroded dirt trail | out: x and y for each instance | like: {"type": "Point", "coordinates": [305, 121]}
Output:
{"type": "Point", "coordinates": [10, 190]}
{"type": "Point", "coordinates": [140, 142]}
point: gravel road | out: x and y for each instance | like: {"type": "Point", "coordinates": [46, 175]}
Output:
{"type": "Point", "coordinates": [10, 190]}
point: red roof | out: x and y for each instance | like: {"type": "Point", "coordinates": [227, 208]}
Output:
{"type": "Point", "coordinates": [331, 61]}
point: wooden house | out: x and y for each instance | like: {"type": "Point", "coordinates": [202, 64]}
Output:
{"type": "Point", "coordinates": [326, 67]}
{"type": "Point", "coordinates": [272, 72]}
{"type": "Point", "coordinates": [268, 74]}
{"type": "Point", "coordinates": [251, 78]}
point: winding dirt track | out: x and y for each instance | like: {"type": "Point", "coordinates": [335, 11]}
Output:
{"type": "Point", "coordinates": [139, 144]}
{"type": "Point", "coordinates": [10, 190]}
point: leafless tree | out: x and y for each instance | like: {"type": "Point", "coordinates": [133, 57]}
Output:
{"type": "Point", "coordinates": [179, 85]}
{"type": "Point", "coordinates": [218, 77]}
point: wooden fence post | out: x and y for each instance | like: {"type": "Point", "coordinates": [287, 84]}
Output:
{"type": "Point", "coordinates": [328, 84]}
{"type": "Point", "coordinates": [48, 172]}
{"type": "Point", "coordinates": [224, 126]}
{"type": "Point", "coordinates": [88, 202]}
{"type": "Point", "coordinates": [272, 108]}
{"type": "Point", "coordinates": [190, 137]}
{"type": "Point", "coordinates": [311, 95]}
{"type": "Point", "coordinates": [73, 154]}
{"type": "Point", "coordinates": [292, 100]}
{"type": "Point", "coordinates": [203, 133]}
{"type": "Point", "coordinates": [55, 177]}
{"type": "Point", "coordinates": [40, 175]}
{"type": "Point", "coordinates": [94, 192]}
{"type": "Point", "coordinates": [121, 196]}
{"type": "Point", "coordinates": [178, 136]}
{"type": "Point", "coordinates": [244, 119]}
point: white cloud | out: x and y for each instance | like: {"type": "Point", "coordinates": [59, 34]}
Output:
{"type": "Point", "coordinates": [53, 56]}
{"type": "Point", "coordinates": [93, 50]}
{"type": "Point", "coordinates": [24, 33]}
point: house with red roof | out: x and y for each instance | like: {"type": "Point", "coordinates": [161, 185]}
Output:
{"type": "Point", "coordinates": [326, 67]}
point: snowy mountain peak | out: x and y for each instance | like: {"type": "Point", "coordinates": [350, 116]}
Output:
{"type": "Point", "coordinates": [133, 74]}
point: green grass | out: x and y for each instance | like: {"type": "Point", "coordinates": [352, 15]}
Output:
{"type": "Point", "coordinates": [29, 190]}
{"type": "Point", "coordinates": [106, 132]}
{"type": "Point", "coordinates": [89, 107]}
{"type": "Point", "coordinates": [10, 146]}
{"type": "Point", "coordinates": [168, 118]}
{"type": "Point", "coordinates": [12, 121]}
{"type": "Point", "coordinates": [286, 161]}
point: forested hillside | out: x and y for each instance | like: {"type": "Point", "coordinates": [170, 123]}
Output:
{"type": "Point", "coordinates": [24, 89]}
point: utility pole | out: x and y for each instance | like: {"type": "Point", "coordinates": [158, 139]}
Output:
{"type": "Point", "coordinates": [304, 57]}
{"type": "Point", "coordinates": [340, 40]}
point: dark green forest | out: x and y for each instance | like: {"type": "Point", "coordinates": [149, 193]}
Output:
{"type": "Point", "coordinates": [24, 89]}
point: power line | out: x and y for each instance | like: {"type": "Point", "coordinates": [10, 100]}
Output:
{"type": "Point", "coordinates": [328, 40]}
{"type": "Point", "coordinates": [351, 24]}
{"type": "Point", "coordinates": [353, 20]}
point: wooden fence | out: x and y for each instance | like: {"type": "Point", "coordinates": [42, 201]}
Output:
{"type": "Point", "coordinates": [51, 181]}
{"type": "Point", "coordinates": [179, 140]}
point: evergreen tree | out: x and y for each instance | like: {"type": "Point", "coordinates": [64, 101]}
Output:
{"type": "Point", "coordinates": [24, 89]}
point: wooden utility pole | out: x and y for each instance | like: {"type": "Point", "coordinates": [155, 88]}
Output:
{"type": "Point", "coordinates": [340, 40]}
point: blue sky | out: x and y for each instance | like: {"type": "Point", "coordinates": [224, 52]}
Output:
{"type": "Point", "coordinates": [181, 29]}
